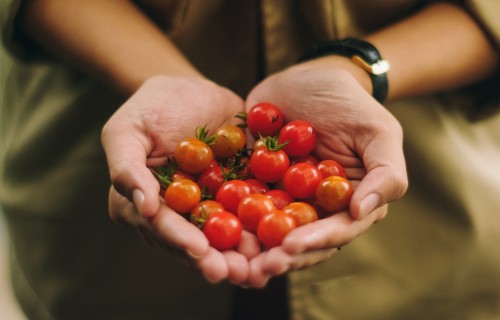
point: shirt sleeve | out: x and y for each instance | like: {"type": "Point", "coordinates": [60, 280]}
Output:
{"type": "Point", "coordinates": [486, 12]}
{"type": "Point", "coordinates": [15, 41]}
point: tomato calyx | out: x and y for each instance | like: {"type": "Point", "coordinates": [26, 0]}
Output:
{"type": "Point", "coordinates": [164, 174]}
{"type": "Point", "coordinates": [205, 194]}
{"type": "Point", "coordinates": [242, 115]}
{"type": "Point", "coordinates": [199, 221]}
{"type": "Point", "coordinates": [201, 134]}
{"type": "Point", "coordinates": [272, 143]}
{"type": "Point", "coordinates": [237, 165]}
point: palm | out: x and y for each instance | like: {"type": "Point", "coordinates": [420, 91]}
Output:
{"type": "Point", "coordinates": [353, 129]}
{"type": "Point", "coordinates": [142, 133]}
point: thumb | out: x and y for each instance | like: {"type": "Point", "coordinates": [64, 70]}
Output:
{"type": "Point", "coordinates": [126, 151]}
{"type": "Point", "coordinates": [386, 179]}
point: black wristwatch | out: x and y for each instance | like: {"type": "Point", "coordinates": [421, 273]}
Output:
{"type": "Point", "coordinates": [363, 54]}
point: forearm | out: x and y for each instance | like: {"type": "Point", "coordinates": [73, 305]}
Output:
{"type": "Point", "coordinates": [113, 40]}
{"type": "Point", "coordinates": [440, 48]}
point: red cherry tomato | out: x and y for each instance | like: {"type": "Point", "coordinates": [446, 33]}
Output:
{"type": "Point", "coordinates": [252, 208]}
{"type": "Point", "coordinates": [257, 186]}
{"type": "Point", "coordinates": [230, 194]}
{"type": "Point", "coordinates": [193, 155]}
{"type": "Point", "coordinates": [301, 138]}
{"type": "Point", "coordinates": [331, 168]}
{"type": "Point", "coordinates": [309, 158]}
{"type": "Point", "coordinates": [269, 165]}
{"type": "Point", "coordinates": [229, 139]}
{"type": "Point", "coordinates": [279, 197]}
{"type": "Point", "coordinates": [203, 210]}
{"type": "Point", "coordinates": [301, 180]}
{"type": "Point", "coordinates": [210, 180]}
{"type": "Point", "coordinates": [223, 230]}
{"type": "Point", "coordinates": [182, 195]}
{"type": "Point", "coordinates": [334, 194]}
{"type": "Point", "coordinates": [264, 119]}
{"type": "Point", "coordinates": [273, 228]}
{"type": "Point", "coordinates": [302, 212]}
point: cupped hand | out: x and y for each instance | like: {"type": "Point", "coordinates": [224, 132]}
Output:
{"type": "Point", "coordinates": [353, 129]}
{"type": "Point", "coordinates": [141, 133]}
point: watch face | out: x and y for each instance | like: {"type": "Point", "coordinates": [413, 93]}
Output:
{"type": "Point", "coordinates": [377, 68]}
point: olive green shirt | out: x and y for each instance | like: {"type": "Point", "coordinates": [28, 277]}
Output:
{"type": "Point", "coordinates": [435, 256]}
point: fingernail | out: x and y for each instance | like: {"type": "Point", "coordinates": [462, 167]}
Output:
{"type": "Point", "coordinates": [138, 198]}
{"type": "Point", "coordinates": [193, 255]}
{"type": "Point", "coordinates": [368, 204]}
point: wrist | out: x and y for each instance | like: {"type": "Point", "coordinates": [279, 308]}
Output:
{"type": "Point", "coordinates": [360, 53]}
{"type": "Point", "coordinates": [340, 63]}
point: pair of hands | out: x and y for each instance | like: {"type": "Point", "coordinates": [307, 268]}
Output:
{"type": "Point", "coordinates": [352, 128]}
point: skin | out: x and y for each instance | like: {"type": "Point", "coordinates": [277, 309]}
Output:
{"type": "Point", "coordinates": [159, 79]}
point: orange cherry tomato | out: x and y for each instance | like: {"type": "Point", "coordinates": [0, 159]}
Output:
{"type": "Point", "coordinates": [302, 212]}
{"type": "Point", "coordinates": [252, 208]}
{"type": "Point", "coordinates": [183, 195]}
{"type": "Point", "coordinates": [193, 155]}
{"type": "Point", "coordinates": [334, 194]}
{"type": "Point", "coordinates": [203, 210]}
{"type": "Point", "coordinates": [273, 228]}
{"type": "Point", "coordinates": [229, 140]}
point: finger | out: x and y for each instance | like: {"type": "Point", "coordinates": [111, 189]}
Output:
{"type": "Point", "coordinates": [173, 229]}
{"type": "Point", "coordinates": [331, 232]}
{"type": "Point", "coordinates": [238, 267]}
{"type": "Point", "coordinates": [280, 261]}
{"type": "Point", "coordinates": [257, 278]}
{"type": "Point", "coordinates": [213, 266]}
{"type": "Point", "coordinates": [125, 212]}
{"type": "Point", "coordinates": [386, 179]}
{"type": "Point", "coordinates": [120, 207]}
{"type": "Point", "coordinates": [126, 149]}
{"type": "Point", "coordinates": [249, 245]}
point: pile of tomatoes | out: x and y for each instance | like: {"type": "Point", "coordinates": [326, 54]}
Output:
{"type": "Point", "coordinates": [277, 185]}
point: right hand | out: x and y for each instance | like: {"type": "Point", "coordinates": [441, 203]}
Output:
{"type": "Point", "coordinates": [142, 132]}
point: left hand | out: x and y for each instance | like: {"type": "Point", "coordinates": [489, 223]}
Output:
{"type": "Point", "coordinates": [353, 129]}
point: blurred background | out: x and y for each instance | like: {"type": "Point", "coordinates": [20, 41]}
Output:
{"type": "Point", "coordinates": [9, 310]}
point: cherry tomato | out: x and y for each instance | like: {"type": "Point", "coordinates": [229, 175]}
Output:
{"type": "Point", "coordinates": [229, 140]}
{"type": "Point", "coordinates": [280, 198]}
{"type": "Point", "coordinates": [334, 194]}
{"type": "Point", "coordinates": [223, 230]}
{"type": "Point", "coordinates": [211, 179]}
{"type": "Point", "coordinates": [257, 186]}
{"type": "Point", "coordinates": [301, 180]}
{"type": "Point", "coordinates": [252, 208]}
{"type": "Point", "coordinates": [273, 228]}
{"type": "Point", "coordinates": [182, 195]}
{"type": "Point", "coordinates": [193, 155]}
{"type": "Point", "coordinates": [264, 119]}
{"type": "Point", "coordinates": [238, 167]}
{"type": "Point", "coordinates": [331, 168]}
{"type": "Point", "coordinates": [302, 212]}
{"type": "Point", "coordinates": [203, 210]}
{"type": "Point", "coordinates": [301, 138]}
{"type": "Point", "coordinates": [309, 158]}
{"type": "Point", "coordinates": [178, 175]}
{"type": "Point", "coordinates": [231, 192]}
{"type": "Point", "coordinates": [269, 165]}
{"type": "Point", "coordinates": [259, 143]}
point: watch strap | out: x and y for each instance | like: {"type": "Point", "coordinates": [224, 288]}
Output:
{"type": "Point", "coordinates": [362, 53]}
